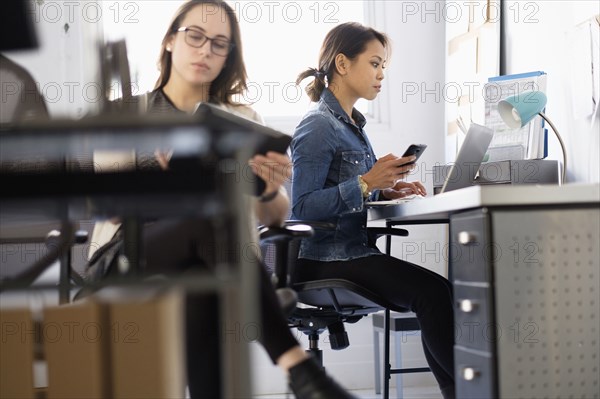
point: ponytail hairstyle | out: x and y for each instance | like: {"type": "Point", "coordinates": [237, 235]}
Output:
{"type": "Point", "coordinates": [350, 39]}
{"type": "Point", "coordinates": [232, 80]}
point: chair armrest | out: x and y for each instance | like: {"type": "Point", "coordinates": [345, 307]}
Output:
{"type": "Point", "coordinates": [284, 233]}
{"type": "Point", "coordinates": [282, 237]}
{"type": "Point", "coordinates": [292, 229]}
{"type": "Point", "coordinates": [286, 239]}
{"type": "Point", "coordinates": [54, 238]}
{"type": "Point", "coordinates": [387, 231]}
{"type": "Point", "coordinates": [317, 225]}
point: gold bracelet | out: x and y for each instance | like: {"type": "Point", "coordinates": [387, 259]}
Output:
{"type": "Point", "coordinates": [364, 187]}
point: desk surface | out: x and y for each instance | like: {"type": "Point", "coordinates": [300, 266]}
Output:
{"type": "Point", "coordinates": [440, 207]}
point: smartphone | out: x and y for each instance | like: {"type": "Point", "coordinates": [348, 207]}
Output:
{"type": "Point", "coordinates": [416, 150]}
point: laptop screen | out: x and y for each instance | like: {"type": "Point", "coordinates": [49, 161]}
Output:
{"type": "Point", "coordinates": [469, 158]}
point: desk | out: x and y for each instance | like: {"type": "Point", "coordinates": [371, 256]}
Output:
{"type": "Point", "coordinates": [208, 185]}
{"type": "Point", "coordinates": [524, 263]}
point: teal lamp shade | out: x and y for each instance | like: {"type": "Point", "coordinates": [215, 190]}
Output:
{"type": "Point", "coordinates": [516, 111]}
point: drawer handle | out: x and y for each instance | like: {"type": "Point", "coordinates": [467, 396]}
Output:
{"type": "Point", "coordinates": [466, 238]}
{"type": "Point", "coordinates": [469, 374]}
{"type": "Point", "coordinates": [467, 305]}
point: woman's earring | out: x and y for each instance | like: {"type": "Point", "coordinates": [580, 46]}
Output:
{"type": "Point", "coordinates": [169, 49]}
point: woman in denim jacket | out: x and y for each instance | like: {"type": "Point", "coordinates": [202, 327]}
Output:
{"type": "Point", "coordinates": [335, 172]}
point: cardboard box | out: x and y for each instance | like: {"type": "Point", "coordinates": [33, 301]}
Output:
{"type": "Point", "coordinates": [126, 343]}
{"type": "Point", "coordinates": [17, 345]}
{"type": "Point", "coordinates": [76, 343]}
{"type": "Point", "coordinates": [147, 347]}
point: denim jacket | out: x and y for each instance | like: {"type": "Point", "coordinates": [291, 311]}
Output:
{"type": "Point", "coordinates": [329, 151]}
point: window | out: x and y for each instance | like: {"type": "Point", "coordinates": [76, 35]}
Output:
{"type": "Point", "coordinates": [142, 24]}
{"type": "Point", "coordinates": [280, 40]}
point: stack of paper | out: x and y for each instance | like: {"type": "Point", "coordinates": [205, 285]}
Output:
{"type": "Point", "coordinates": [528, 142]}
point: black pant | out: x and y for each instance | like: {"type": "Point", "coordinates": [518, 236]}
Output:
{"type": "Point", "coordinates": [424, 292]}
{"type": "Point", "coordinates": [181, 245]}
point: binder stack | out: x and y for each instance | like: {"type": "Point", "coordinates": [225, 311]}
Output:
{"type": "Point", "coordinates": [528, 142]}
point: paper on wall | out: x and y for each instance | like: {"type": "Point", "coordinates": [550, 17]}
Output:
{"type": "Point", "coordinates": [526, 142]}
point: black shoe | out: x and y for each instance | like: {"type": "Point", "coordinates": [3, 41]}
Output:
{"type": "Point", "coordinates": [309, 381]}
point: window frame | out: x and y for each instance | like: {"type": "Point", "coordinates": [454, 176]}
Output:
{"type": "Point", "coordinates": [378, 112]}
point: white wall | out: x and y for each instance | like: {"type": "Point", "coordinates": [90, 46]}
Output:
{"type": "Point", "coordinates": [418, 57]}
{"type": "Point", "coordinates": [417, 31]}
{"type": "Point", "coordinates": [548, 41]}
{"type": "Point", "coordinates": [65, 64]}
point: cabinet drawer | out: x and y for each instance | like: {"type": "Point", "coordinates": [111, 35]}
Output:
{"type": "Point", "coordinates": [470, 249]}
{"type": "Point", "coordinates": [475, 373]}
{"type": "Point", "coordinates": [474, 317]}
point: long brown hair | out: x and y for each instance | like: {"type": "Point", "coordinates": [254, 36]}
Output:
{"type": "Point", "coordinates": [350, 39]}
{"type": "Point", "coordinates": [233, 78]}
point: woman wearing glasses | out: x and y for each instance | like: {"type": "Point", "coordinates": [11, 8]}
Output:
{"type": "Point", "coordinates": [201, 61]}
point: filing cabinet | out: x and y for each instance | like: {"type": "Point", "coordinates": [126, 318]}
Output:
{"type": "Point", "coordinates": [474, 304]}
{"type": "Point", "coordinates": [526, 285]}
{"type": "Point", "coordinates": [471, 274]}
{"type": "Point", "coordinates": [468, 250]}
{"type": "Point", "coordinates": [475, 379]}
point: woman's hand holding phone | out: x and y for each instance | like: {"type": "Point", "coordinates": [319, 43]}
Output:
{"type": "Point", "coordinates": [416, 150]}
{"type": "Point", "coordinates": [387, 171]}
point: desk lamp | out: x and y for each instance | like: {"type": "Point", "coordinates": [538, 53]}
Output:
{"type": "Point", "coordinates": [516, 111]}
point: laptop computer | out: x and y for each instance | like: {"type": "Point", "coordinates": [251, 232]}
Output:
{"type": "Point", "coordinates": [469, 158]}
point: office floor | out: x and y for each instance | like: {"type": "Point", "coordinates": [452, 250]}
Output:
{"type": "Point", "coordinates": [409, 393]}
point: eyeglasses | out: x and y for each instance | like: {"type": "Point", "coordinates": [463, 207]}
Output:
{"type": "Point", "coordinates": [197, 39]}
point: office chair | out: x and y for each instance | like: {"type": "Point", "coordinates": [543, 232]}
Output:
{"type": "Point", "coordinates": [330, 302]}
